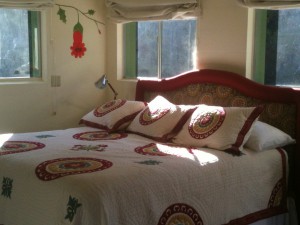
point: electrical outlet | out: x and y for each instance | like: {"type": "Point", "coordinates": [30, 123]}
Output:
{"type": "Point", "coordinates": [55, 81]}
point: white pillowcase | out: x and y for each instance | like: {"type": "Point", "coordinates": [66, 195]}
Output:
{"type": "Point", "coordinates": [265, 136]}
{"type": "Point", "coordinates": [114, 115]}
{"type": "Point", "coordinates": [160, 120]}
{"type": "Point", "coordinates": [221, 128]}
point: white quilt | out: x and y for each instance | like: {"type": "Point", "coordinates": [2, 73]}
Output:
{"type": "Point", "coordinates": [84, 176]}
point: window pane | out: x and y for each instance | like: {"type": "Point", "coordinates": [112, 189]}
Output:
{"type": "Point", "coordinates": [159, 48]}
{"type": "Point", "coordinates": [147, 49]}
{"type": "Point", "coordinates": [19, 43]}
{"type": "Point", "coordinates": [288, 47]}
{"type": "Point", "coordinates": [178, 45]}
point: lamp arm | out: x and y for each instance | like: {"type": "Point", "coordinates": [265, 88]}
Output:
{"type": "Point", "coordinates": [114, 91]}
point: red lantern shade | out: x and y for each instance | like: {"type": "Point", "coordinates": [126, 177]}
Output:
{"type": "Point", "coordinates": [78, 48]}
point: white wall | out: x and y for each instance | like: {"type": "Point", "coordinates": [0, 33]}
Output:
{"type": "Point", "coordinates": [223, 36]}
{"type": "Point", "coordinates": [221, 42]}
{"type": "Point", "coordinates": [33, 107]}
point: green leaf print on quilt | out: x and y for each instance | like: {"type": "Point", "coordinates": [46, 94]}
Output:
{"type": "Point", "coordinates": [44, 136]}
{"type": "Point", "coordinates": [7, 187]}
{"type": "Point", "coordinates": [72, 208]}
{"type": "Point", "coordinates": [150, 162]}
{"type": "Point", "coordinates": [97, 148]}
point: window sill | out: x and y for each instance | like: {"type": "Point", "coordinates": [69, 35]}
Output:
{"type": "Point", "coordinates": [139, 78]}
{"type": "Point", "coordinates": [19, 81]}
{"type": "Point", "coordinates": [128, 80]}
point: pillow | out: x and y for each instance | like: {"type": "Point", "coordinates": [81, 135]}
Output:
{"type": "Point", "coordinates": [113, 115]}
{"type": "Point", "coordinates": [221, 128]}
{"type": "Point", "coordinates": [265, 136]}
{"type": "Point", "coordinates": [161, 119]}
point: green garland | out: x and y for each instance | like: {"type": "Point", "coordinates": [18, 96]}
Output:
{"type": "Point", "coordinates": [62, 15]}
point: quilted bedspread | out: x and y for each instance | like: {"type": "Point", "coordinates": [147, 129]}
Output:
{"type": "Point", "coordinates": [86, 176]}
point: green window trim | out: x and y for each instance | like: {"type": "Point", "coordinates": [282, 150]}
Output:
{"type": "Point", "coordinates": [265, 48]}
{"type": "Point", "coordinates": [34, 24]}
{"type": "Point", "coordinates": [260, 46]}
{"type": "Point", "coordinates": [130, 42]}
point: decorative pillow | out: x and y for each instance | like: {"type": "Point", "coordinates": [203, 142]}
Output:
{"type": "Point", "coordinates": [221, 128]}
{"type": "Point", "coordinates": [161, 119]}
{"type": "Point", "coordinates": [264, 137]}
{"type": "Point", "coordinates": [113, 115]}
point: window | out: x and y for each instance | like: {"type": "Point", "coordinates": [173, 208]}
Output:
{"type": "Point", "coordinates": [159, 48]}
{"type": "Point", "coordinates": [20, 46]}
{"type": "Point", "coordinates": [277, 47]}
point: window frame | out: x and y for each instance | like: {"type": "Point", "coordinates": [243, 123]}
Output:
{"type": "Point", "coordinates": [261, 63]}
{"type": "Point", "coordinates": [130, 43]}
{"type": "Point", "coordinates": [262, 69]}
{"type": "Point", "coordinates": [44, 57]}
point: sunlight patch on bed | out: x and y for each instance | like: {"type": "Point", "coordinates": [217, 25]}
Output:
{"type": "Point", "coordinates": [200, 156]}
{"type": "Point", "coordinates": [204, 158]}
{"type": "Point", "coordinates": [4, 138]}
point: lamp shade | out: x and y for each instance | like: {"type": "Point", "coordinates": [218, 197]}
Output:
{"type": "Point", "coordinates": [102, 82]}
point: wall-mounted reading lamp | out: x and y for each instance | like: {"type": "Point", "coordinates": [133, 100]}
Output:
{"type": "Point", "coordinates": [103, 82]}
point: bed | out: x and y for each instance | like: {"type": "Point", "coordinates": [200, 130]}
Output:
{"type": "Point", "coordinates": [188, 150]}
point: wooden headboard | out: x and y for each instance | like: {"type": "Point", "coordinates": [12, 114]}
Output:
{"type": "Point", "coordinates": [216, 87]}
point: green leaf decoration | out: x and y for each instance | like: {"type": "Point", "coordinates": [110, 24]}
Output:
{"type": "Point", "coordinates": [91, 12]}
{"type": "Point", "coordinates": [62, 15]}
{"type": "Point", "coordinates": [7, 187]}
{"type": "Point", "coordinates": [72, 208]}
{"type": "Point", "coordinates": [78, 27]}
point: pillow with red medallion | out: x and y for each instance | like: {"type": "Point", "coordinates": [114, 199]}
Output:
{"type": "Point", "coordinates": [221, 128]}
{"type": "Point", "coordinates": [113, 115]}
{"type": "Point", "coordinates": [161, 119]}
